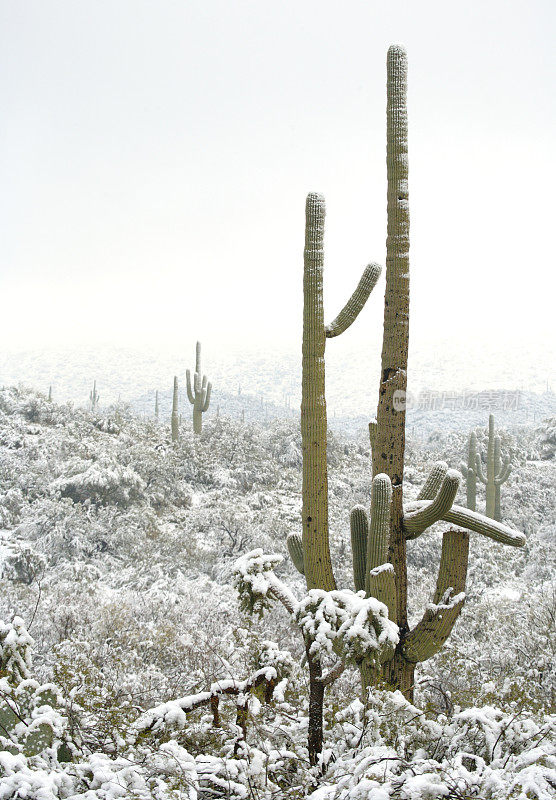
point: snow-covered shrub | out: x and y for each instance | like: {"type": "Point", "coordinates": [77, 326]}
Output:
{"type": "Point", "coordinates": [23, 564]}
{"type": "Point", "coordinates": [103, 484]}
{"type": "Point", "coordinates": [548, 439]}
{"type": "Point", "coordinates": [106, 425]}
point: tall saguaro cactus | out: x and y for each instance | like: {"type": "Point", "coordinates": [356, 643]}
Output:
{"type": "Point", "coordinates": [469, 472]}
{"type": "Point", "coordinates": [156, 406]}
{"type": "Point", "coordinates": [199, 395]}
{"type": "Point", "coordinates": [437, 496]}
{"type": "Point", "coordinates": [379, 543]}
{"type": "Point", "coordinates": [389, 435]}
{"type": "Point", "coordinates": [174, 419]}
{"type": "Point", "coordinates": [497, 472]}
{"type": "Point", "coordinates": [317, 563]}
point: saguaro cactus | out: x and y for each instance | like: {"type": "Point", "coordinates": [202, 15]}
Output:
{"type": "Point", "coordinates": [199, 397]}
{"type": "Point", "coordinates": [497, 472]}
{"type": "Point", "coordinates": [317, 563]}
{"type": "Point", "coordinates": [174, 419]}
{"type": "Point", "coordinates": [469, 472]}
{"type": "Point", "coordinates": [50, 394]}
{"type": "Point", "coordinates": [156, 406]}
{"type": "Point", "coordinates": [94, 397]}
{"type": "Point", "coordinates": [379, 544]}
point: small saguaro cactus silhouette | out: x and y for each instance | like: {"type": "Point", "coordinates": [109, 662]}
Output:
{"type": "Point", "coordinates": [94, 397]}
{"type": "Point", "coordinates": [174, 419]}
{"type": "Point", "coordinates": [199, 396]}
{"type": "Point", "coordinates": [50, 394]}
{"type": "Point", "coordinates": [156, 406]}
{"type": "Point", "coordinates": [497, 472]}
{"type": "Point", "coordinates": [469, 472]}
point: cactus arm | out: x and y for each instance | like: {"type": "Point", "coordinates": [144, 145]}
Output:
{"type": "Point", "coordinates": [429, 635]}
{"type": "Point", "coordinates": [472, 521]}
{"type": "Point", "coordinates": [359, 527]}
{"type": "Point", "coordinates": [352, 308]}
{"type": "Point", "coordinates": [430, 511]}
{"type": "Point", "coordinates": [380, 581]}
{"type": "Point", "coordinates": [479, 470]}
{"type": "Point", "coordinates": [463, 469]}
{"type": "Point", "coordinates": [190, 396]}
{"type": "Point", "coordinates": [471, 489]}
{"type": "Point", "coordinates": [504, 473]}
{"type": "Point", "coordinates": [295, 549]}
{"type": "Point", "coordinates": [207, 397]}
{"type": "Point", "coordinates": [174, 419]}
{"type": "Point", "coordinates": [381, 500]}
{"type": "Point", "coordinates": [434, 481]}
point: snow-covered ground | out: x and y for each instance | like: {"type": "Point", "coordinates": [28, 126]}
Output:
{"type": "Point", "coordinates": [118, 550]}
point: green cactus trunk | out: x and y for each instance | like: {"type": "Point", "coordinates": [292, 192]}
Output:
{"type": "Point", "coordinates": [318, 565]}
{"type": "Point", "coordinates": [175, 414]}
{"type": "Point", "coordinates": [389, 437]}
{"type": "Point", "coordinates": [490, 487]}
{"type": "Point", "coordinates": [470, 475]}
{"type": "Point", "coordinates": [497, 471]}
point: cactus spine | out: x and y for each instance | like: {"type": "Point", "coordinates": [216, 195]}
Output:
{"type": "Point", "coordinates": [94, 397]}
{"type": "Point", "coordinates": [199, 396]}
{"type": "Point", "coordinates": [497, 472]}
{"type": "Point", "coordinates": [317, 562]}
{"type": "Point", "coordinates": [469, 473]}
{"type": "Point", "coordinates": [174, 419]}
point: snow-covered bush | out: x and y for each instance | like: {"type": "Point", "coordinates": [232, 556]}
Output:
{"type": "Point", "coordinates": [23, 564]}
{"type": "Point", "coordinates": [103, 484]}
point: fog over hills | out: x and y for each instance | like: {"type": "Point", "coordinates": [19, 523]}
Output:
{"type": "Point", "coordinates": [264, 382]}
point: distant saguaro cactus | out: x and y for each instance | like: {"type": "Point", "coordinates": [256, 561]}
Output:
{"type": "Point", "coordinates": [50, 394]}
{"type": "Point", "coordinates": [497, 472]}
{"type": "Point", "coordinates": [175, 414]}
{"type": "Point", "coordinates": [94, 397]}
{"type": "Point", "coordinates": [469, 472]}
{"type": "Point", "coordinates": [156, 406]}
{"type": "Point", "coordinates": [199, 397]}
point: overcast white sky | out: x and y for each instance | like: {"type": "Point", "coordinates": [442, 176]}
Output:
{"type": "Point", "coordinates": [155, 158]}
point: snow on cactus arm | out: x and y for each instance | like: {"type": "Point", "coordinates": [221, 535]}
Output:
{"type": "Point", "coordinates": [473, 521]}
{"type": "Point", "coordinates": [257, 585]}
{"type": "Point", "coordinates": [354, 627]}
